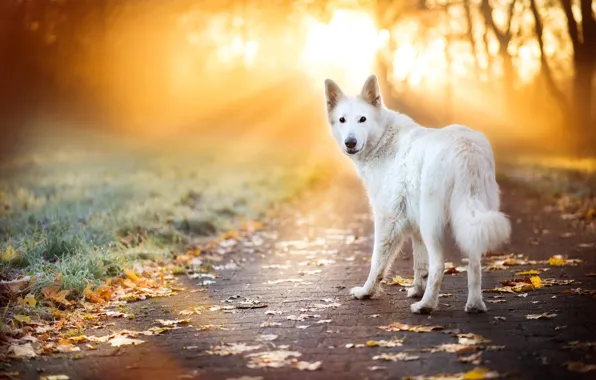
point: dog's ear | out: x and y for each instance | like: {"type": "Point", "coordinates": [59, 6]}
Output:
{"type": "Point", "coordinates": [333, 94]}
{"type": "Point", "coordinates": [371, 93]}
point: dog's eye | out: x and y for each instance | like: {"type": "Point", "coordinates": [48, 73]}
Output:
{"type": "Point", "coordinates": [362, 119]}
{"type": "Point", "coordinates": [342, 119]}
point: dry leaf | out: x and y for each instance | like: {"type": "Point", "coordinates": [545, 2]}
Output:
{"type": "Point", "coordinates": [306, 366]}
{"type": "Point", "coordinates": [540, 316]}
{"type": "Point", "coordinates": [121, 340]}
{"type": "Point", "coordinates": [536, 282]}
{"type": "Point", "coordinates": [580, 367]}
{"type": "Point", "coordinates": [55, 294]}
{"type": "Point", "coordinates": [22, 351]}
{"type": "Point", "coordinates": [474, 358]}
{"type": "Point", "coordinates": [232, 349]}
{"type": "Point", "coordinates": [267, 337]}
{"type": "Point", "coordinates": [22, 318]}
{"type": "Point", "coordinates": [531, 272]}
{"type": "Point", "coordinates": [480, 373]}
{"type": "Point", "coordinates": [384, 343]}
{"type": "Point", "coordinates": [271, 359]}
{"type": "Point", "coordinates": [396, 326]}
{"type": "Point", "coordinates": [270, 324]}
{"type": "Point", "coordinates": [560, 260]}
{"type": "Point", "coordinates": [29, 301]}
{"type": "Point", "coordinates": [172, 322]}
{"type": "Point", "coordinates": [401, 356]}
{"type": "Point", "coordinates": [400, 281]}
{"type": "Point", "coordinates": [470, 339]}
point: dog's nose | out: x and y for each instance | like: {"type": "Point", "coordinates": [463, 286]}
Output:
{"type": "Point", "coordinates": [350, 142]}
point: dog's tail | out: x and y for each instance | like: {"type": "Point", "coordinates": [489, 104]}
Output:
{"type": "Point", "coordinates": [477, 225]}
{"type": "Point", "coordinates": [478, 230]}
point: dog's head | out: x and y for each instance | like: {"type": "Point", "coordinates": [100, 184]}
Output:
{"type": "Point", "coordinates": [355, 120]}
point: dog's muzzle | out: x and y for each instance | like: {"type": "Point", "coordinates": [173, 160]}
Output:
{"type": "Point", "coordinates": [351, 143]}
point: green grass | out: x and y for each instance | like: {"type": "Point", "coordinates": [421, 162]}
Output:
{"type": "Point", "coordinates": [84, 211]}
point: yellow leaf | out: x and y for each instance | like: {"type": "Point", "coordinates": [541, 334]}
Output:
{"type": "Point", "coordinates": [22, 318]}
{"type": "Point", "coordinates": [536, 281]}
{"type": "Point", "coordinates": [480, 373]}
{"type": "Point", "coordinates": [371, 343]}
{"type": "Point", "coordinates": [130, 274]}
{"type": "Point", "coordinates": [556, 261]}
{"type": "Point", "coordinates": [532, 272]}
{"type": "Point", "coordinates": [29, 300]}
{"type": "Point", "coordinates": [400, 281]}
{"type": "Point", "coordinates": [91, 296]}
{"type": "Point", "coordinates": [9, 254]}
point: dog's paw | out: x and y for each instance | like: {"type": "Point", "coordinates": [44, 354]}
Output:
{"type": "Point", "coordinates": [421, 308]}
{"type": "Point", "coordinates": [361, 292]}
{"type": "Point", "coordinates": [415, 292]}
{"type": "Point", "coordinates": [476, 306]}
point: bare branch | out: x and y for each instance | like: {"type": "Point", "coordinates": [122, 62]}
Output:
{"type": "Point", "coordinates": [571, 24]}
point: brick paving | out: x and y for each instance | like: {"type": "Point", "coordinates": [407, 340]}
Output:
{"type": "Point", "coordinates": [323, 245]}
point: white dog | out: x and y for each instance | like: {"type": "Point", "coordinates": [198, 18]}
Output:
{"type": "Point", "coordinates": [419, 181]}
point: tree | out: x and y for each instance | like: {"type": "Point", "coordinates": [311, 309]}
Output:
{"type": "Point", "coordinates": [583, 40]}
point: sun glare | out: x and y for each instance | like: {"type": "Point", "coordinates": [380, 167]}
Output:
{"type": "Point", "coordinates": [344, 48]}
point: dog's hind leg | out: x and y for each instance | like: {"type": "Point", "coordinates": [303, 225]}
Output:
{"type": "Point", "coordinates": [388, 241]}
{"type": "Point", "coordinates": [475, 303]}
{"type": "Point", "coordinates": [432, 226]}
{"type": "Point", "coordinates": [420, 268]}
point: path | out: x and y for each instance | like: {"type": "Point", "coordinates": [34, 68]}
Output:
{"type": "Point", "coordinates": [323, 246]}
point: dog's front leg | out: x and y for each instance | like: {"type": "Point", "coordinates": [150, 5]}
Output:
{"type": "Point", "coordinates": [388, 238]}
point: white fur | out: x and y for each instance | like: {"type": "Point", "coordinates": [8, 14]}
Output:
{"type": "Point", "coordinates": [419, 181]}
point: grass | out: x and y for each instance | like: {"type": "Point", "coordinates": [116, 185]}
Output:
{"type": "Point", "coordinates": [84, 211]}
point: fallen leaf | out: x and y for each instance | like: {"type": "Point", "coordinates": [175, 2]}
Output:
{"type": "Point", "coordinates": [211, 327]}
{"type": "Point", "coordinates": [470, 339]}
{"type": "Point", "coordinates": [121, 340]}
{"type": "Point", "coordinates": [384, 343]}
{"type": "Point", "coordinates": [22, 351]}
{"type": "Point", "coordinates": [400, 281]}
{"type": "Point", "coordinates": [577, 345]}
{"type": "Point", "coordinates": [560, 260]}
{"type": "Point", "coordinates": [231, 349]}
{"type": "Point", "coordinates": [172, 322]}
{"type": "Point", "coordinates": [29, 301]}
{"type": "Point", "coordinates": [270, 324]}
{"type": "Point", "coordinates": [54, 377]}
{"type": "Point", "coordinates": [480, 373]}
{"type": "Point", "coordinates": [536, 282]}
{"type": "Point", "coordinates": [474, 358]}
{"type": "Point", "coordinates": [55, 294]}
{"type": "Point", "coordinates": [396, 326]}
{"type": "Point", "coordinates": [271, 359]}
{"type": "Point", "coordinates": [532, 272]}
{"type": "Point", "coordinates": [540, 316]}
{"type": "Point", "coordinates": [306, 366]}
{"type": "Point", "coordinates": [267, 337]}
{"type": "Point", "coordinates": [580, 367]}
{"type": "Point", "coordinates": [496, 301]}
{"type": "Point", "coordinates": [401, 356]}
{"type": "Point", "coordinates": [66, 347]}
{"type": "Point", "coordinates": [22, 318]}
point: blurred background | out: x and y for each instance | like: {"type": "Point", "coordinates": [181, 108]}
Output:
{"type": "Point", "coordinates": [521, 71]}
